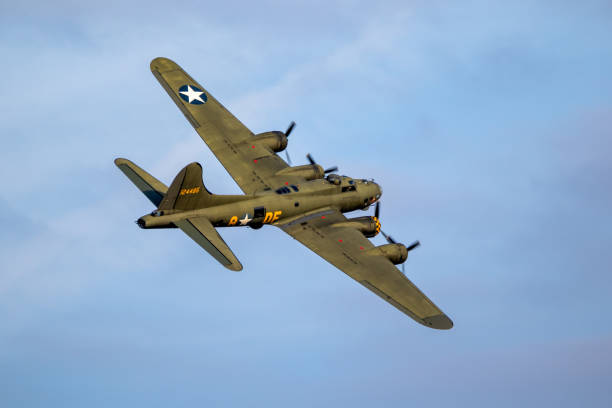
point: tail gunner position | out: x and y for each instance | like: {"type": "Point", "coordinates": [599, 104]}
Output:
{"type": "Point", "coordinates": [304, 201]}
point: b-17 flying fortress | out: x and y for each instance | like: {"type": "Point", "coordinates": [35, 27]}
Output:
{"type": "Point", "coordinates": [307, 202]}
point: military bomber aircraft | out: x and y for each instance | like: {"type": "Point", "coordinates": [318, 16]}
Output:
{"type": "Point", "coordinates": [307, 202]}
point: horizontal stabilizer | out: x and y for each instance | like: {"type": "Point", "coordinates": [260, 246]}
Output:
{"type": "Point", "coordinates": [202, 231]}
{"type": "Point", "coordinates": [154, 189]}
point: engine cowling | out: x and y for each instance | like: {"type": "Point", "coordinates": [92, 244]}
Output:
{"type": "Point", "coordinates": [368, 226]}
{"type": "Point", "coordinates": [307, 171]}
{"type": "Point", "coordinates": [396, 253]}
{"type": "Point", "coordinates": [275, 140]}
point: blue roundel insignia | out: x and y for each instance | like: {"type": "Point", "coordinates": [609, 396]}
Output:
{"type": "Point", "coordinates": [192, 94]}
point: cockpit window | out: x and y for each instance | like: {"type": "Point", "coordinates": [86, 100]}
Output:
{"type": "Point", "coordinates": [294, 188]}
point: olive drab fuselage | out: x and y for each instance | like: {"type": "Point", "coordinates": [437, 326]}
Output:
{"type": "Point", "coordinates": [270, 206]}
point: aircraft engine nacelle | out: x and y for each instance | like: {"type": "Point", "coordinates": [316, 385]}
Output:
{"type": "Point", "coordinates": [396, 253]}
{"type": "Point", "coordinates": [308, 171]}
{"type": "Point", "coordinates": [275, 140]}
{"type": "Point", "coordinates": [368, 226]}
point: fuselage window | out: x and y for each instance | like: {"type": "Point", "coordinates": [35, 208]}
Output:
{"type": "Point", "coordinates": [283, 190]}
{"type": "Point", "coordinates": [348, 188]}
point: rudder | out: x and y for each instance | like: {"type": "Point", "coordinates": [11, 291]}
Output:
{"type": "Point", "coordinates": [187, 191]}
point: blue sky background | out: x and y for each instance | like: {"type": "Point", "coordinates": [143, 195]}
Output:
{"type": "Point", "coordinates": [488, 124]}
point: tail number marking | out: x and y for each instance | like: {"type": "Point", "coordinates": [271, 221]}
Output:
{"type": "Point", "coordinates": [186, 191]}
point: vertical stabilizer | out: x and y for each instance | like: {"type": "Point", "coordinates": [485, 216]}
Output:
{"type": "Point", "coordinates": [187, 191]}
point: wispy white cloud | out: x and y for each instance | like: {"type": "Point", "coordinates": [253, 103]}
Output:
{"type": "Point", "coordinates": [472, 117]}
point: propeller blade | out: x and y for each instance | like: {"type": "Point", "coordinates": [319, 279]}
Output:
{"type": "Point", "coordinates": [288, 158]}
{"type": "Point", "coordinates": [388, 237]}
{"type": "Point", "coordinates": [415, 244]}
{"type": "Point", "coordinates": [290, 129]}
{"type": "Point", "coordinates": [403, 268]}
{"type": "Point", "coordinates": [310, 159]}
{"type": "Point", "coordinates": [377, 210]}
{"type": "Point", "coordinates": [313, 162]}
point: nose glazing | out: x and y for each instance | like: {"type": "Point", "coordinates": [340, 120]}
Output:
{"type": "Point", "coordinates": [378, 190]}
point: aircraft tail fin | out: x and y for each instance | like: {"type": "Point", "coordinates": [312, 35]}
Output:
{"type": "Point", "coordinates": [151, 187]}
{"type": "Point", "coordinates": [187, 191]}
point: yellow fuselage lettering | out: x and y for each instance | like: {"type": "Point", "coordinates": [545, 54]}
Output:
{"type": "Point", "coordinates": [272, 217]}
{"type": "Point", "coordinates": [276, 215]}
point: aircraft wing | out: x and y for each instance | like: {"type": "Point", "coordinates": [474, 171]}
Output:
{"type": "Point", "coordinates": [347, 249]}
{"type": "Point", "coordinates": [251, 165]}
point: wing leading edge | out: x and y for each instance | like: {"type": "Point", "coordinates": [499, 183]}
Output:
{"type": "Point", "coordinates": [253, 166]}
{"type": "Point", "coordinates": [151, 187]}
{"type": "Point", "coordinates": [347, 249]}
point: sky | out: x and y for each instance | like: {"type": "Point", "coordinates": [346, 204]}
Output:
{"type": "Point", "coordinates": [488, 125]}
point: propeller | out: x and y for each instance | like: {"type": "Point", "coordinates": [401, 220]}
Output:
{"type": "Point", "coordinates": [287, 133]}
{"type": "Point", "coordinates": [290, 129]}
{"type": "Point", "coordinates": [415, 244]}
{"type": "Point", "coordinates": [390, 239]}
{"type": "Point", "coordinates": [288, 158]}
{"type": "Point", "coordinates": [308, 156]}
{"type": "Point", "coordinates": [312, 161]}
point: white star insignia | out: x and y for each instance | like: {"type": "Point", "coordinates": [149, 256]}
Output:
{"type": "Point", "coordinates": [245, 220]}
{"type": "Point", "coordinates": [193, 95]}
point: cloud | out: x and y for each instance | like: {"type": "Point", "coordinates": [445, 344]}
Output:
{"type": "Point", "coordinates": [487, 126]}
